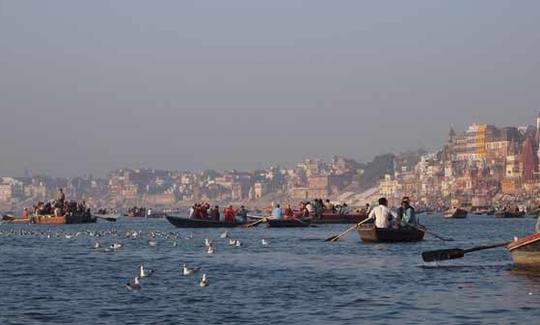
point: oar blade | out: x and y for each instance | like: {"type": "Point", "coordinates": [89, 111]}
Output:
{"type": "Point", "coordinates": [443, 254]}
{"type": "Point", "coordinates": [333, 238]}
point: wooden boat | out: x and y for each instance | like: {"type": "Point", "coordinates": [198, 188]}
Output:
{"type": "Point", "coordinates": [455, 213]}
{"type": "Point", "coordinates": [338, 218]}
{"type": "Point", "coordinates": [199, 223]}
{"type": "Point", "coordinates": [371, 234]}
{"type": "Point", "coordinates": [288, 223]}
{"type": "Point", "coordinates": [73, 218]}
{"type": "Point", "coordinates": [526, 252]}
{"type": "Point", "coordinates": [508, 214]}
{"type": "Point", "coordinates": [15, 220]}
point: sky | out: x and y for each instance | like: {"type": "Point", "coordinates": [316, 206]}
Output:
{"type": "Point", "coordinates": [91, 86]}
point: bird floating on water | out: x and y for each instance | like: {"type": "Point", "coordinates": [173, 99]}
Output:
{"type": "Point", "coordinates": [224, 235]}
{"type": "Point", "coordinates": [204, 281]}
{"type": "Point", "coordinates": [144, 273]}
{"type": "Point", "coordinates": [97, 245]}
{"type": "Point", "coordinates": [187, 271]}
{"type": "Point", "coordinates": [152, 243]}
{"type": "Point", "coordinates": [116, 246]}
{"type": "Point", "coordinates": [210, 250]}
{"type": "Point", "coordinates": [207, 242]}
{"type": "Point", "coordinates": [237, 243]}
{"type": "Point", "coordinates": [134, 285]}
{"type": "Point", "coordinates": [264, 242]}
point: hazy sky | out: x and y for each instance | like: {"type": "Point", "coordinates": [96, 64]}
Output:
{"type": "Point", "coordinates": [89, 86]}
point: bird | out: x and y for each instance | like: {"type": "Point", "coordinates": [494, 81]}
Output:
{"type": "Point", "coordinates": [207, 242]}
{"type": "Point", "coordinates": [264, 242]}
{"type": "Point", "coordinates": [134, 285]}
{"type": "Point", "coordinates": [68, 236]}
{"type": "Point", "coordinates": [144, 273]}
{"type": "Point", "coordinates": [97, 245]}
{"type": "Point", "coordinates": [224, 235]}
{"type": "Point", "coordinates": [187, 271]}
{"type": "Point", "coordinates": [174, 243]}
{"type": "Point", "coordinates": [210, 250]}
{"type": "Point", "coordinates": [152, 243]}
{"type": "Point", "coordinates": [116, 246]}
{"type": "Point", "coordinates": [204, 281]}
{"type": "Point", "coordinates": [232, 242]}
{"type": "Point", "coordinates": [237, 243]}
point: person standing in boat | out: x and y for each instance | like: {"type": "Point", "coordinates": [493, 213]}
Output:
{"type": "Point", "coordinates": [406, 213]}
{"type": "Point", "coordinates": [242, 214]}
{"type": "Point", "coordinates": [382, 214]}
{"type": "Point", "coordinates": [277, 213]}
{"type": "Point", "coordinates": [214, 213]}
{"type": "Point", "coordinates": [229, 214]}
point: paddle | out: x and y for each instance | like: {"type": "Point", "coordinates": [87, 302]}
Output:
{"type": "Point", "coordinates": [431, 233]}
{"type": "Point", "coordinates": [454, 253]}
{"type": "Point", "coordinates": [337, 237]}
{"type": "Point", "coordinates": [255, 223]}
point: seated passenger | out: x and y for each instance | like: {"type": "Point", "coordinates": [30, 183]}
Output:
{"type": "Point", "coordinates": [382, 214]}
{"type": "Point", "coordinates": [289, 213]}
{"type": "Point", "coordinates": [277, 213]}
{"type": "Point", "coordinates": [406, 213]}
{"type": "Point", "coordinates": [229, 214]}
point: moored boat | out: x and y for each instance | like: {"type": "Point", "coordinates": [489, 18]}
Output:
{"type": "Point", "coordinates": [526, 252]}
{"type": "Point", "coordinates": [455, 213]}
{"type": "Point", "coordinates": [508, 214]}
{"type": "Point", "coordinates": [200, 223]}
{"type": "Point", "coordinates": [370, 233]}
{"type": "Point", "coordinates": [288, 223]}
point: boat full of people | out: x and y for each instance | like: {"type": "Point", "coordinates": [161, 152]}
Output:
{"type": "Point", "coordinates": [456, 213]}
{"type": "Point", "coordinates": [202, 215]}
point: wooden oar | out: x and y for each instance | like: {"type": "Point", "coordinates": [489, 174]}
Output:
{"type": "Point", "coordinates": [431, 233]}
{"type": "Point", "coordinates": [454, 253]}
{"type": "Point", "coordinates": [255, 223]}
{"type": "Point", "coordinates": [337, 237]}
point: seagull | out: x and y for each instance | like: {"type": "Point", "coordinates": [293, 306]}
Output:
{"type": "Point", "coordinates": [67, 236]}
{"type": "Point", "coordinates": [188, 271]}
{"type": "Point", "coordinates": [97, 245]}
{"type": "Point", "coordinates": [144, 273]}
{"type": "Point", "coordinates": [232, 242]}
{"type": "Point", "coordinates": [134, 285]}
{"type": "Point", "coordinates": [116, 246]}
{"type": "Point", "coordinates": [264, 242]}
{"type": "Point", "coordinates": [152, 243]}
{"type": "Point", "coordinates": [224, 235]}
{"type": "Point", "coordinates": [211, 250]}
{"type": "Point", "coordinates": [204, 281]}
{"type": "Point", "coordinates": [207, 242]}
{"type": "Point", "coordinates": [237, 243]}
{"type": "Point", "coordinates": [174, 243]}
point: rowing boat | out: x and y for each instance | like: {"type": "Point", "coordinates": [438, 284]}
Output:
{"type": "Point", "coordinates": [455, 213]}
{"type": "Point", "coordinates": [508, 214]}
{"type": "Point", "coordinates": [288, 223]}
{"type": "Point", "coordinates": [339, 218]}
{"type": "Point", "coordinates": [199, 223]}
{"type": "Point", "coordinates": [526, 252]}
{"type": "Point", "coordinates": [372, 234]}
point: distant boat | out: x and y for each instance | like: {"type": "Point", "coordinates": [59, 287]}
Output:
{"type": "Point", "coordinates": [72, 218]}
{"type": "Point", "coordinates": [456, 213]}
{"type": "Point", "coordinates": [339, 218]}
{"type": "Point", "coordinates": [508, 214]}
{"type": "Point", "coordinates": [372, 234]}
{"type": "Point", "coordinates": [199, 223]}
{"type": "Point", "coordinates": [288, 223]}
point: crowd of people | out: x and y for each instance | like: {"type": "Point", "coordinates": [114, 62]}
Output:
{"type": "Point", "coordinates": [203, 211]}
{"type": "Point", "coordinates": [59, 206]}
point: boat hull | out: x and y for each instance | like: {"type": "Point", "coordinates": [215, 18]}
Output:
{"type": "Point", "coordinates": [336, 218]}
{"type": "Point", "coordinates": [456, 214]}
{"type": "Point", "coordinates": [197, 223]}
{"type": "Point", "coordinates": [76, 218]}
{"type": "Point", "coordinates": [372, 234]}
{"type": "Point", "coordinates": [526, 253]}
{"type": "Point", "coordinates": [508, 215]}
{"type": "Point", "coordinates": [289, 223]}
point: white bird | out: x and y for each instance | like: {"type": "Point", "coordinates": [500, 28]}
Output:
{"type": "Point", "coordinates": [264, 242]}
{"type": "Point", "coordinates": [134, 284]}
{"type": "Point", "coordinates": [207, 242]}
{"type": "Point", "coordinates": [210, 250]}
{"type": "Point", "coordinates": [97, 245]}
{"type": "Point", "coordinates": [204, 281]}
{"type": "Point", "coordinates": [187, 271]}
{"type": "Point", "coordinates": [232, 242]}
{"type": "Point", "coordinates": [67, 236]}
{"type": "Point", "coordinates": [174, 243]}
{"type": "Point", "coordinates": [237, 243]}
{"type": "Point", "coordinates": [143, 273]}
{"type": "Point", "coordinates": [224, 235]}
{"type": "Point", "coordinates": [152, 243]}
{"type": "Point", "coordinates": [116, 246]}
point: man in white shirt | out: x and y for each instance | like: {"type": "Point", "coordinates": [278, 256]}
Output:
{"type": "Point", "coordinates": [382, 215]}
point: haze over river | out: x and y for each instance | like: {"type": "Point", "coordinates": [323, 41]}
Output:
{"type": "Point", "coordinates": [297, 279]}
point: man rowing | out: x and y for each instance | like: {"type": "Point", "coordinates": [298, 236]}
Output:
{"type": "Point", "coordinates": [382, 214]}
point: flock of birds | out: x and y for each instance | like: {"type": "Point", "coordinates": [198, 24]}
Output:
{"type": "Point", "coordinates": [152, 237]}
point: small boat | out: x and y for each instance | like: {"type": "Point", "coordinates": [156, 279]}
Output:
{"type": "Point", "coordinates": [508, 214]}
{"type": "Point", "coordinates": [288, 223]}
{"type": "Point", "coordinates": [526, 252]}
{"type": "Point", "coordinates": [371, 234]}
{"type": "Point", "coordinates": [199, 223]}
{"type": "Point", "coordinates": [455, 213]}
{"type": "Point", "coordinates": [72, 218]}
{"type": "Point", "coordinates": [339, 218]}
{"type": "Point", "coordinates": [15, 220]}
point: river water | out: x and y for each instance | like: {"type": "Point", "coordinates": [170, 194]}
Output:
{"type": "Point", "coordinates": [296, 279]}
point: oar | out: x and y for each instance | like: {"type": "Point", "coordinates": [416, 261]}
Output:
{"type": "Point", "coordinates": [106, 218]}
{"type": "Point", "coordinates": [337, 237]}
{"type": "Point", "coordinates": [431, 233]}
{"type": "Point", "coordinates": [255, 223]}
{"type": "Point", "coordinates": [454, 253]}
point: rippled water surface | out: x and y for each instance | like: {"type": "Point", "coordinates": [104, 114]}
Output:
{"type": "Point", "coordinates": [297, 279]}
